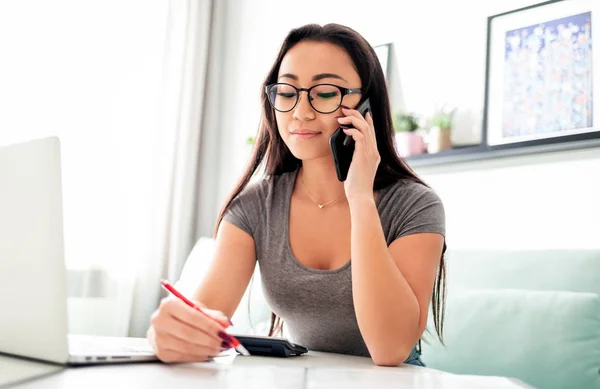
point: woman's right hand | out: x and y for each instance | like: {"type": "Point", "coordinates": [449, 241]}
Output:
{"type": "Point", "coordinates": [179, 333]}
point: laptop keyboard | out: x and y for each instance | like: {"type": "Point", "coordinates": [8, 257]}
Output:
{"type": "Point", "coordinates": [102, 345]}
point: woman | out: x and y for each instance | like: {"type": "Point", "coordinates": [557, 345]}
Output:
{"type": "Point", "coordinates": [301, 224]}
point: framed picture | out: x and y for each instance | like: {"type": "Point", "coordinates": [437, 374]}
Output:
{"type": "Point", "coordinates": [540, 82]}
{"type": "Point", "coordinates": [383, 53]}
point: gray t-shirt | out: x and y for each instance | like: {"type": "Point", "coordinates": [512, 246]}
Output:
{"type": "Point", "coordinates": [317, 305]}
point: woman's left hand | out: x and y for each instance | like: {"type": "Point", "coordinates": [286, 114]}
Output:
{"type": "Point", "coordinates": [365, 160]}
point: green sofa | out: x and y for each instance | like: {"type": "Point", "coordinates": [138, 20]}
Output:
{"type": "Point", "coordinates": [532, 315]}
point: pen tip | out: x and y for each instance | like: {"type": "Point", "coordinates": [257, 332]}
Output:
{"type": "Point", "coordinates": [242, 350]}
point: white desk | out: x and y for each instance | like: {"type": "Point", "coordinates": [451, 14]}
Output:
{"type": "Point", "coordinates": [315, 371]}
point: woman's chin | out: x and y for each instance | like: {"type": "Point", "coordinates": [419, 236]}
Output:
{"type": "Point", "coordinates": [306, 154]}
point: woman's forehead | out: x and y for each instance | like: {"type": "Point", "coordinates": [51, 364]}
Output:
{"type": "Point", "coordinates": [307, 59]}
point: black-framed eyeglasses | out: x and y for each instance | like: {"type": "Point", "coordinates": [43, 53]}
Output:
{"type": "Point", "coordinates": [324, 98]}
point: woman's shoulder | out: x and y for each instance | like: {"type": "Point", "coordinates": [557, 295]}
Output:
{"type": "Point", "coordinates": [408, 206]}
{"type": "Point", "coordinates": [254, 188]}
{"type": "Point", "coordinates": [408, 191]}
{"type": "Point", "coordinates": [263, 189]}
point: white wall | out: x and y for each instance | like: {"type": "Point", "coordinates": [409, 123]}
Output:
{"type": "Point", "coordinates": [545, 201]}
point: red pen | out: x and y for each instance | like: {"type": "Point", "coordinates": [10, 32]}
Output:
{"type": "Point", "coordinates": [234, 342]}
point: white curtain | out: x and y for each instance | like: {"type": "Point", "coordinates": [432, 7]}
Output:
{"type": "Point", "coordinates": [185, 205]}
{"type": "Point", "coordinates": [89, 73]}
{"type": "Point", "coordinates": [137, 108]}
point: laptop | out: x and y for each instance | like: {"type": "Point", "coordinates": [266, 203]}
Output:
{"type": "Point", "coordinates": [33, 285]}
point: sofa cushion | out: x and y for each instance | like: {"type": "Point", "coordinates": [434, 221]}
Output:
{"type": "Point", "coordinates": [548, 339]}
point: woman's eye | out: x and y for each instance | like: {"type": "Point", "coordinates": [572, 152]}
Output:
{"type": "Point", "coordinates": [286, 95]}
{"type": "Point", "coordinates": [327, 95]}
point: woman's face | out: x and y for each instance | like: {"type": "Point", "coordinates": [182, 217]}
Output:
{"type": "Point", "coordinates": [304, 130]}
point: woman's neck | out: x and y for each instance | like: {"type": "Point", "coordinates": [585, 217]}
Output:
{"type": "Point", "coordinates": [319, 179]}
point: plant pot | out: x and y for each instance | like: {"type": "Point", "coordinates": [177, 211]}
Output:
{"type": "Point", "coordinates": [439, 140]}
{"type": "Point", "coordinates": [409, 143]}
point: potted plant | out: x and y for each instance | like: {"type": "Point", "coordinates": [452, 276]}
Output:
{"type": "Point", "coordinates": [440, 131]}
{"type": "Point", "coordinates": [408, 141]}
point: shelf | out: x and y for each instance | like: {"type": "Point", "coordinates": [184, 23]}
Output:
{"type": "Point", "coordinates": [482, 152]}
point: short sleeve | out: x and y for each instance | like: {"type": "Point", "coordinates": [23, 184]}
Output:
{"type": "Point", "coordinates": [237, 216]}
{"type": "Point", "coordinates": [246, 208]}
{"type": "Point", "coordinates": [423, 211]}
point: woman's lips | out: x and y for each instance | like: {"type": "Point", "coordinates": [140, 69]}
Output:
{"type": "Point", "coordinates": [305, 134]}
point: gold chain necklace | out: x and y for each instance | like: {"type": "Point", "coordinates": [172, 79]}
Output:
{"type": "Point", "coordinates": [313, 197]}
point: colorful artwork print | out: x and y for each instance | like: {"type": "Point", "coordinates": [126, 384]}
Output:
{"type": "Point", "coordinates": [548, 78]}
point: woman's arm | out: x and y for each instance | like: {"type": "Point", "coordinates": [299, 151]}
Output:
{"type": "Point", "coordinates": [391, 286]}
{"type": "Point", "coordinates": [229, 274]}
{"type": "Point", "coordinates": [179, 333]}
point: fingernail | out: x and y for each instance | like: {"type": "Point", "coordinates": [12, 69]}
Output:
{"type": "Point", "coordinates": [343, 106]}
{"type": "Point", "coordinates": [342, 116]}
{"type": "Point", "coordinates": [224, 336]}
{"type": "Point", "coordinates": [367, 111]}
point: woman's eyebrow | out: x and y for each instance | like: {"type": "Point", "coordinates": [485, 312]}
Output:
{"type": "Point", "coordinates": [328, 75]}
{"type": "Point", "coordinates": [315, 78]}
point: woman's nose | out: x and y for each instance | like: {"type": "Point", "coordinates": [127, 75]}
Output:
{"type": "Point", "coordinates": [303, 110]}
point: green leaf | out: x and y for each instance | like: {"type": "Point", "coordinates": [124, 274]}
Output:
{"type": "Point", "coordinates": [405, 122]}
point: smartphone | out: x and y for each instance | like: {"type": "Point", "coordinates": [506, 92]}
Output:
{"type": "Point", "coordinates": [342, 145]}
{"type": "Point", "coordinates": [270, 346]}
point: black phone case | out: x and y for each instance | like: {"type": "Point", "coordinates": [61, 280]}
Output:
{"type": "Point", "coordinates": [271, 347]}
{"type": "Point", "coordinates": [342, 155]}
{"type": "Point", "coordinates": [342, 146]}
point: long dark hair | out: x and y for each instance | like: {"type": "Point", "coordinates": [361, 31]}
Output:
{"type": "Point", "coordinates": [270, 146]}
